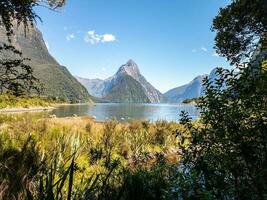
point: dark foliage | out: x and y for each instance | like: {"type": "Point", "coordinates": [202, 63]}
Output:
{"type": "Point", "coordinates": [18, 169]}
{"type": "Point", "coordinates": [153, 183]}
{"type": "Point", "coordinates": [16, 75]}
{"type": "Point", "coordinates": [240, 27]}
{"type": "Point", "coordinates": [23, 12]}
{"type": "Point", "coordinates": [227, 156]}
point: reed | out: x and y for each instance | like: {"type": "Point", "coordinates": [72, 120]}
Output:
{"type": "Point", "coordinates": [77, 158]}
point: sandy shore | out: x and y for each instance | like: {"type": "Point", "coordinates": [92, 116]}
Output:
{"type": "Point", "coordinates": [37, 109]}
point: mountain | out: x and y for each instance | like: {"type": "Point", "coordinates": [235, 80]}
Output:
{"type": "Point", "coordinates": [127, 85]}
{"type": "Point", "coordinates": [56, 79]}
{"type": "Point", "coordinates": [127, 90]}
{"type": "Point", "coordinates": [194, 89]}
{"type": "Point", "coordinates": [188, 91]}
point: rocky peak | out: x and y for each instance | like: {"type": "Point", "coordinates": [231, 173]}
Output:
{"type": "Point", "coordinates": [130, 68]}
{"type": "Point", "coordinates": [134, 87]}
{"type": "Point", "coordinates": [131, 63]}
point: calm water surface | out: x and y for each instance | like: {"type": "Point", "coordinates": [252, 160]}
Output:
{"type": "Point", "coordinates": [120, 111]}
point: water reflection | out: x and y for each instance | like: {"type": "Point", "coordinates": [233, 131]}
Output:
{"type": "Point", "coordinates": [119, 111]}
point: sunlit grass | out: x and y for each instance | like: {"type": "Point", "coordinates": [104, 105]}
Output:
{"type": "Point", "coordinates": [10, 101]}
{"type": "Point", "coordinates": [87, 151]}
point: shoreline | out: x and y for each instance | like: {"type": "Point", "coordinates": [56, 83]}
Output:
{"type": "Point", "coordinates": [18, 110]}
{"type": "Point", "coordinates": [37, 109]}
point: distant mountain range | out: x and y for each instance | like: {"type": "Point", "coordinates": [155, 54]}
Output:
{"type": "Point", "coordinates": [56, 79]}
{"type": "Point", "coordinates": [188, 91]}
{"type": "Point", "coordinates": [128, 85]}
{"type": "Point", "coordinates": [194, 89]}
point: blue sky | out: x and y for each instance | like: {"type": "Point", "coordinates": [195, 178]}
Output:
{"type": "Point", "coordinates": [170, 40]}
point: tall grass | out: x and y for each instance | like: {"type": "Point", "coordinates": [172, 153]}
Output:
{"type": "Point", "coordinates": [11, 101]}
{"type": "Point", "coordinates": [76, 158]}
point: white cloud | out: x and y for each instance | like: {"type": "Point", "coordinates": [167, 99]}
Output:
{"type": "Point", "coordinates": [47, 45]}
{"type": "Point", "coordinates": [103, 69]}
{"type": "Point", "coordinates": [94, 38]}
{"type": "Point", "coordinates": [204, 49]}
{"type": "Point", "coordinates": [70, 37]}
{"type": "Point", "coordinates": [108, 38]}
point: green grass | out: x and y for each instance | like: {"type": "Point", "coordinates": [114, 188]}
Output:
{"type": "Point", "coordinates": [10, 101]}
{"type": "Point", "coordinates": [76, 158]}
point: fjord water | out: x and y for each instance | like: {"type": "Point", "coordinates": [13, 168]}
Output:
{"type": "Point", "coordinates": [126, 112]}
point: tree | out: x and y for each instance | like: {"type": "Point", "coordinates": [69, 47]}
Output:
{"type": "Point", "coordinates": [240, 28]}
{"type": "Point", "coordinates": [23, 12]}
{"type": "Point", "coordinates": [227, 153]}
{"type": "Point", "coordinates": [16, 75]}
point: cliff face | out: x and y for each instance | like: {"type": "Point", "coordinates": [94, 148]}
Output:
{"type": "Point", "coordinates": [56, 79]}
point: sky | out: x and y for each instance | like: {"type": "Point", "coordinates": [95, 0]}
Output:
{"type": "Point", "coordinates": [170, 40]}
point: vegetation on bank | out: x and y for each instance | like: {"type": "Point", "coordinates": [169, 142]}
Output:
{"type": "Point", "coordinates": [8, 101]}
{"type": "Point", "coordinates": [191, 101]}
{"type": "Point", "coordinates": [79, 159]}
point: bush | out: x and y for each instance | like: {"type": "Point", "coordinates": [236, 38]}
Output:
{"type": "Point", "coordinates": [227, 156]}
